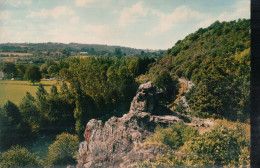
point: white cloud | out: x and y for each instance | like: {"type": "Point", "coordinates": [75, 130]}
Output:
{"type": "Point", "coordinates": [241, 9]}
{"type": "Point", "coordinates": [96, 29]}
{"type": "Point", "coordinates": [90, 3]}
{"type": "Point", "coordinates": [133, 14]}
{"type": "Point", "coordinates": [26, 33]}
{"type": "Point", "coordinates": [184, 14]}
{"type": "Point", "coordinates": [181, 14]}
{"type": "Point", "coordinates": [115, 12]}
{"type": "Point", "coordinates": [53, 13]}
{"type": "Point", "coordinates": [27, 2]}
{"type": "Point", "coordinates": [101, 32]}
{"type": "Point", "coordinates": [83, 2]}
{"type": "Point", "coordinates": [74, 19]}
{"type": "Point", "coordinates": [5, 15]}
{"type": "Point", "coordinates": [91, 34]}
{"type": "Point", "coordinates": [5, 33]}
{"type": "Point", "coordinates": [16, 3]}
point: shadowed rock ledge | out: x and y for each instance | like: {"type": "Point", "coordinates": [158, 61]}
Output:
{"type": "Point", "coordinates": [117, 143]}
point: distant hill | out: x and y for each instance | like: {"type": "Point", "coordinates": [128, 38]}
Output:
{"type": "Point", "coordinates": [73, 47]}
{"type": "Point", "coordinates": [38, 53]}
{"type": "Point", "coordinates": [217, 60]}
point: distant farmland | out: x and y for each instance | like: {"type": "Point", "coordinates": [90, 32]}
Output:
{"type": "Point", "coordinates": [15, 90]}
{"type": "Point", "coordinates": [15, 53]}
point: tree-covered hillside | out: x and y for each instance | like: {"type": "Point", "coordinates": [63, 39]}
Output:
{"type": "Point", "coordinates": [217, 60]}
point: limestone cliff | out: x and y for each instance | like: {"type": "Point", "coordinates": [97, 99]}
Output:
{"type": "Point", "coordinates": [116, 143]}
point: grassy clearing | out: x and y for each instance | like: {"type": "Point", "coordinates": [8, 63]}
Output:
{"type": "Point", "coordinates": [15, 90]}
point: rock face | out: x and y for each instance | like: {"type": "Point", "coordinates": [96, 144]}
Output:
{"type": "Point", "coordinates": [117, 142]}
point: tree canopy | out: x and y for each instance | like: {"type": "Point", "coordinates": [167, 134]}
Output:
{"type": "Point", "coordinates": [33, 74]}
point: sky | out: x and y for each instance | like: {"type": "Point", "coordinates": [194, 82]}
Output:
{"type": "Point", "coordinates": [142, 24]}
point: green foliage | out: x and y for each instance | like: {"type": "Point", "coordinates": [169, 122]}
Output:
{"type": "Point", "coordinates": [9, 69]}
{"type": "Point", "coordinates": [169, 86]}
{"type": "Point", "coordinates": [173, 136]}
{"type": "Point", "coordinates": [222, 147]}
{"type": "Point", "coordinates": [118, 52]}
{"type": "Point", "coordinates": [217, 60]}
{"type": "Point", "coordinates": [98, 86]}
{"type": "Point", "coordinates": [48, 113]}
{"type": "Point", "coordinates": [20, 70]}
{"type": "Point", "coordinates": [180, 107]}
{"type": "Point", "coordinates": [63, 151]}
{"type": "Point", "coordinates": [56, 109]}
{"type": "Point", "coordinates": [30, 113]}
{"type": "Point", "coordinates": [83, 112]}
{"type": "Point", "coordinates": [12, 129]}
{"type": "Point", "coordinates": [19, 157]}
{"type": "Point", "coordinates": [33, 74]}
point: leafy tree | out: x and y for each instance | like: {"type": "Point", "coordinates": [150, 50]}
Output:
{"type": "Point", "coordinates": [222, 146]}
{"type": "Point", "coordinates": [13, 112]}
{"type": "Point", "coordinates": [59, 112]}
{"type": "Point", "coordinates": [169, 86]}
{"type": "Point", "coordinates": [9, 69]}
{"type": "Point", "coordinates": [12, 129]}
{"type": "Point", "coordinates": [20, 70]}
{"type": "Point", "coordinates": [33, 74]}
{"type": "Point", "coordinates": [118, 52]}
{"type": "Point", "coordinates": [217, 61]}
{"type": "Point", "coordinates": [83, 111]}
{"type": "Point", "coordinates": [181, 107]}
{"type": "Point", "coordinates": [30, 113]}
{"type": "Point", "coordinates": [173, 136]}
{"type": "Point", "coordinates": [63, 151]}
{"type": "Point", "coordinates": [42, 105]}
{"type": "Point", "coordinates": [54, 90]}
{"type": "Point", "coordinates": [19, 157]}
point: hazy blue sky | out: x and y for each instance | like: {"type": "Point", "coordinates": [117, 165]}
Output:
{"type": "Point", "coordinates": [152, 24]}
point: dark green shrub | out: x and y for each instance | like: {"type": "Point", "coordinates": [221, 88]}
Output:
{"type": "Point", "coordinates": [63, 150]}
{"type": "Point", "coordinates": [173, 136]}
{"type": "Point", "coordinates": [169, 86]}
{"type": "Point", "coordinates": [13, 130]}
{"type": "Point", "coordinates": [222, 146]}
{"type": "Point", "coordinates": [19, 157]}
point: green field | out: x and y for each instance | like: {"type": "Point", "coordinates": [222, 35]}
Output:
{"type": "Point", "coordinates": [15, 90]}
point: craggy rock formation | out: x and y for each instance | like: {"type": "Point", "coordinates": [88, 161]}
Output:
{"type": "Point", "coordinates": [117, 142]}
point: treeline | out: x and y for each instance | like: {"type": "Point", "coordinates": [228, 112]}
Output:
{"type": "Point", "coordinates": [102, 87]}
{"type": "Point", "coordinates": [217, 60]}
{"type": "Point", "coordinates": [92, 88]}
{"type": "Point", "coordinates": [93, 49]}
{"type": "Point", "coordinates": [39, 53]}
{"type": "Point", "coordinates": [21, 71]}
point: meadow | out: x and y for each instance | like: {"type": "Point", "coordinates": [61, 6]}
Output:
{"type": "Point", "coordinates": [15, 90]}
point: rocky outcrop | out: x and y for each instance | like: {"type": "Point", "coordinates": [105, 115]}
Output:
{"type": "Point", "coordinates": [117, 142]}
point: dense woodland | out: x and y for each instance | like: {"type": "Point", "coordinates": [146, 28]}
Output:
{"type": "Point", "coordinates": [216, 59]}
